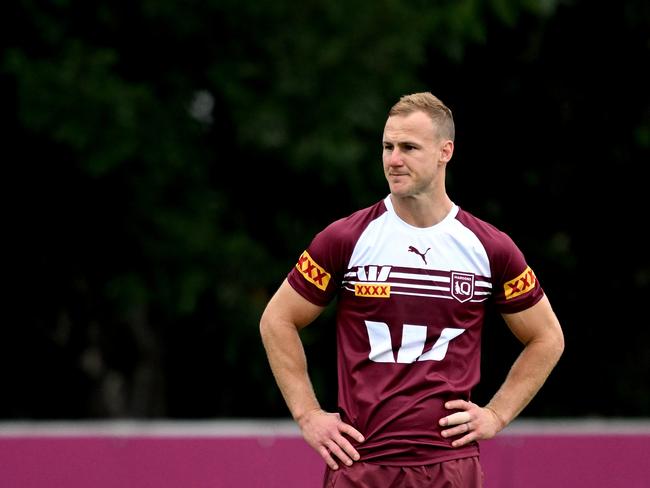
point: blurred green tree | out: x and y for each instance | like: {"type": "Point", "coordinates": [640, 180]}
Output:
{"type": "Point", "coordinates": [173, 160]}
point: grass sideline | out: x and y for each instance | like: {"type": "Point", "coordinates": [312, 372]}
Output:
{"type": "Point", "coordinates": [288, 428]}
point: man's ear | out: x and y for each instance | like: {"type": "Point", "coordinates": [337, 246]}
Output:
{"type": "Point", "coordinates": [446, 151]}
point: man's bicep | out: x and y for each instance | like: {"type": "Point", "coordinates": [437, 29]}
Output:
{"type": "Point", "coordinates": [287, 305]}
{"type": "Point", "coordinates": [536, 322]}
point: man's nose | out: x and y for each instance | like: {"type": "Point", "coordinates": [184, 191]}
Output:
{"type": "Point", "coordinates": [395, 158]}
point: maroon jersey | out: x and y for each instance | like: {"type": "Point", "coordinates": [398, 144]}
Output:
{"type": "Point", "coordinates": [411, 305]}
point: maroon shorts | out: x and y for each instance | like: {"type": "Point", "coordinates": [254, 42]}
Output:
{"type": "Point", "coordinates": [458, 473]}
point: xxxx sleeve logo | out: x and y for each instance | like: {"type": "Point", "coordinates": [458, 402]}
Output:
{"type": "Point", "coordinates": [521, 284]}
{"type": "Point", "coordinates": [312, 272]}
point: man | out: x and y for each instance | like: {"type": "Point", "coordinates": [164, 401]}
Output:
{"type": "Point", "coordinates": [413, 275]}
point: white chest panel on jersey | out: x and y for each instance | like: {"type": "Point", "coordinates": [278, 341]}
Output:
{"type": "Point", "coordinates": [421, 258]}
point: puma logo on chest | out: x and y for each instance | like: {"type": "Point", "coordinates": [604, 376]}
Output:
{"type": "Point", "coordinates": [422, 255]}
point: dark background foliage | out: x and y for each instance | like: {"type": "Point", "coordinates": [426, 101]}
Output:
{"type": "Point", "coordinates": [168, 161]}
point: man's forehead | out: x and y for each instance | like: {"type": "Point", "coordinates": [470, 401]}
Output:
{"type": "Point", "coordinates": [414, 125]}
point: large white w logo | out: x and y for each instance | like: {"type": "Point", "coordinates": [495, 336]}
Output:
{"type": "Point", "coordinates": [413, 339]}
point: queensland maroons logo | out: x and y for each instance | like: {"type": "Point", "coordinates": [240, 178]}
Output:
{"type": "Point", "coordinates": [462, 286]}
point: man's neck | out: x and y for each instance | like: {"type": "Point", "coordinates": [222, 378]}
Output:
{"type": "Point", "coordinates": [422, 211]}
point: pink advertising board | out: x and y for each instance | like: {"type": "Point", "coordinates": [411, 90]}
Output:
{"type": "Point", "coordinates": [252, 454]}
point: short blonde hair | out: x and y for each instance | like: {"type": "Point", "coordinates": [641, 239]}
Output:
{"type": "Point", "coordinates": [432, 106]}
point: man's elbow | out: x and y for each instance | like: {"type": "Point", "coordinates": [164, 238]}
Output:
{"type": "Point", "coordinates": [273, 324]}
{"type": "Point", "coordinates": [267, 319]}
{"type": "Point", "coordinates": [266, 324]}
{"type": "Point", "coordinates": [557, 344]}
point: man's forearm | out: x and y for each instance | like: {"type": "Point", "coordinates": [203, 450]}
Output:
{"type": "Point", "coordinates": [525, 378]}
{"type": "Point", "coordinates": [288, 363]}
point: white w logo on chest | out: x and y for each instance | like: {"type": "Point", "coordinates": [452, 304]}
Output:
{"type": "Point", "coordinates": [412, 346]}
{"type": "Point", "coordinates": [373, 273]}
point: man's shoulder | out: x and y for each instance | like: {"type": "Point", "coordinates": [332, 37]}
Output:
{"type": "Point", "coordinates": [489, 234]}
{"type": "Point", "coordinates": [474, 223]}
{"type": "Point", "coordinates": [353, 224]}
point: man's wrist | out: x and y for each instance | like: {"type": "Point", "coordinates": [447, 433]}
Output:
{"type": "Point", "coordinates": [304, 414]}
{"type": "Point", "coordinates": [500, 420]}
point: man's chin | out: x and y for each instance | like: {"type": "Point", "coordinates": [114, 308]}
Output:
{"type": "Point", "coordinates": [399, 191]}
